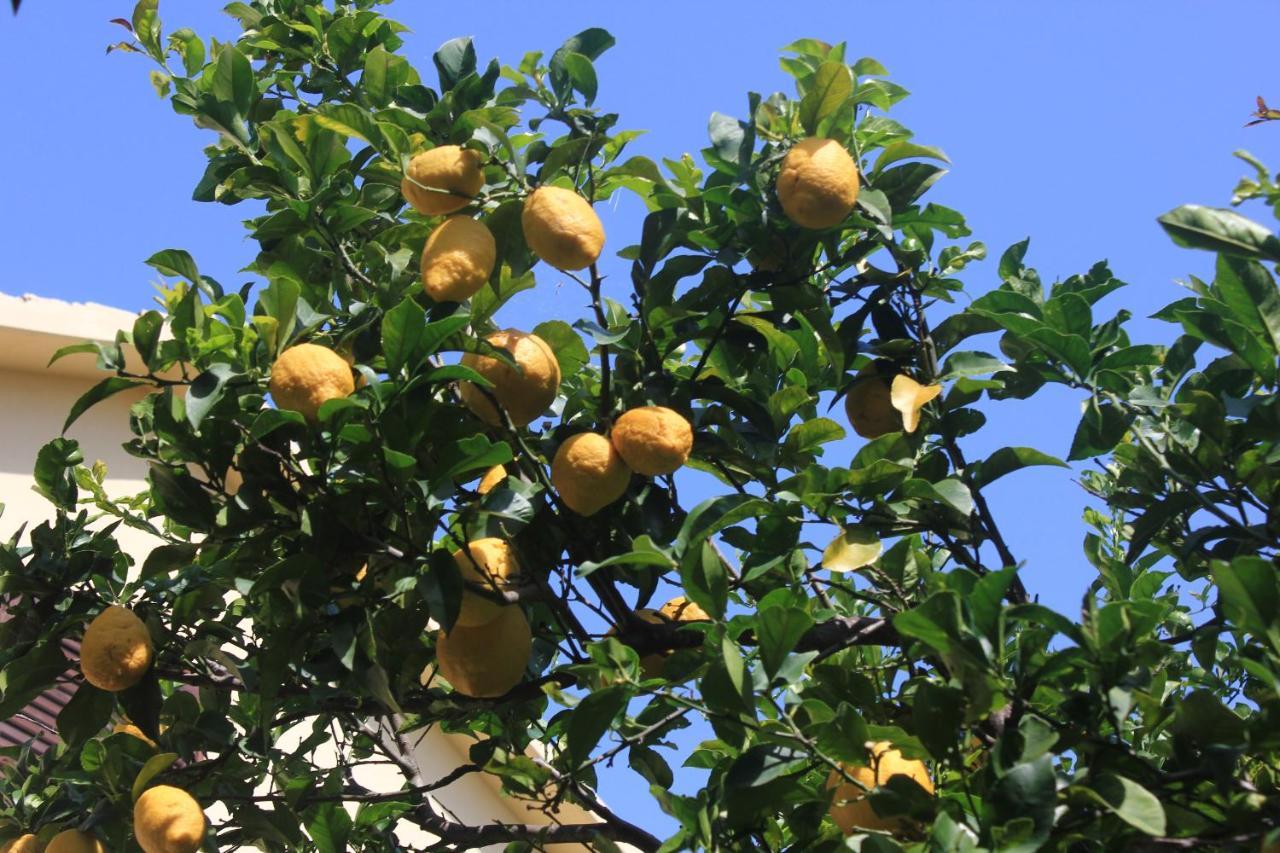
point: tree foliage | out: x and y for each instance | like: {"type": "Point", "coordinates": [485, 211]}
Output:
{"type": "Point", "coordinates": [851, 600]}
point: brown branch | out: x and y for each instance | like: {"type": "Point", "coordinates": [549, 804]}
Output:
{"type": "Point", "coordinates": [460, 836]}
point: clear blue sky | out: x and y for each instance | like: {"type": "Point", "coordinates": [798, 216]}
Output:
{"type": "Point", "coordinates": [1075, 123]}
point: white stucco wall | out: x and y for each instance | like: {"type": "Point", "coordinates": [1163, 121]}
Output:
{"type": "Point", "coordinates": [34, 401]}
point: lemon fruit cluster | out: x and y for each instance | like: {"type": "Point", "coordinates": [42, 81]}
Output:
{"type": "Point", "coordinates": [879, 402]}
{"type": "Point", "coordinates": [818, 183]}
{"type": "Point", "coordinates": [75, 841]}
{"type": "Point", "coordinates": [525, 391]}
{"type": "Point", "coordinates": [591, 471]}
{"type": "Point", "coordinates": [168, 820]}
{"type": "Point", "coordinates": [851, 809]}
{"type": "Point", "coordinates": [306, 376]}
{"type": "Point", "coordinates": [116, 650]}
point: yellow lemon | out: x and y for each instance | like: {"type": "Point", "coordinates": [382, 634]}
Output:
{"type": "Point", "coordinates": [131, 729]}
{"type": "Point", "coordinates": [491, 479]}
{"type": "Point", "coordinates": [588, 473]}
{"type": "Point", "coordinates": [562, 228]}
{"type": "Point", "coordinates": [653, 440]}
{"type": "Point", "coordinates": [306, 376]}
{"type": "Point", "coordinates": [443, 180]}
{"type": "Point", "coordinates": [525, 393]}
{"type": "Point", "coordinates": [168, 820]}
{"type": "Point", "coordinates": [818, 183]}
{"type": "Point", "coordinates": [487, 661]}
{"type": "Point", "coordinates": [116, 650]}
{"type": "Point", "coordinates": [491, 562]}
{"type": "Point", "coordinates": [457, 259]}
{"type": "Point", "coordinates": [75, 841]}
{"type": "Point", "coordinates": [850, 808]}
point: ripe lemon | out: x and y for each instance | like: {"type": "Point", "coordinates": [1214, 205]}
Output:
{"type": "Point", "coordinates": [850, 808]}
{"type": "Point", "coordinates": [443, 180]}
{"type": "Point", "coordinates": [588, 473]}
{"type": "Point", "coordinates": [306, 376]}
{"type": "Point", "coordinates": [168, 820]}
{"type": "Point", "coordinates": [653, 440]}
{"type": "Point", "coordinates": [524, 394]}
{"type": "Point", "coordinates": [878, 404]}
{"type": "Point", "coordinates": [491, 479]}
{"type": "Point", "coordinates": [562, 228]}
{"type": "Point", "coordinates": [131, 729]}
{"type": "Point", "coordinates": [457, 259]}
{"type": "Point", "coordinates": [486, 662]}
{"type": "Point", "coordinates": [22, 844]}
{"type": "Point", "coordinates": [75, 841]}
{"type": "Point", "coordinates": [116, 650]}
{"type": "Point", "coordinates": [492, 562]}
{"type": "Point", "coordinates": [818, 183]}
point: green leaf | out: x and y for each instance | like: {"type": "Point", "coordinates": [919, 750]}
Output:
{"type": "Point", "coordinates": [809, 434]}
{"type": "Point", "coordinates": [1250, 595]}
{"type": "Point", "coordinates": [1006, 460]}
{"type": "Point", "coordinates": [106, 388]}
{"type": "Point", "coordinates": [831, 86]}
{"type": "Point", "coordinates": [905, 150]}
{"type": "Point", "coordinates": [778, 629]}
{"type": "Point", "coordinates": [86, 714]}
{"type": "Point", "coordinates": [175, 262]}
{"type": "Point", "coordinates": [53, 471]}
{"type": "Point", "coordinates": [763, 763]}
{"type": "Point", "coordinates": [454, 60]}
{"type": "Point", "coordinates": [146, 337]}
{"type": "Point", "coordinates": [567, 345]}
{"type": "Point", "coordinates": [1132, 803]}
{"type": "Point", "coordinates": [844, 736]}
{"type": "Point", "coordinates": [402, 329]}
{"type": "Point", "coordinates": [857, 546]}
{"type": "Point", "coordinates": [1099, 431]}
{"type": "Point", "coordinates": [350, 121]}
{"type": "Point", "coordinates": [972, 364]}
{"type": "Point", "coordinates": [233, 80]}
{"type": "Point", "coordinates": [715, 514]}
{"type": "Point", "coordinates": [581, 72]}
{"type": "Point", "coordinates": [1220, 230]}
{"type": "Point", "coordinates": [1026, 793]}
{"type": "Point", "coordinates": [329, 826]}
{"type": "Point", "coordinates": [727, 134]}
{"type": "Point", "coordinates": [146, 26]}
{"type": "Point", "coordinates": [155, 765]}
{"type": "Point", "coordinates": [705, 580]}
{"type": "Point", "coordinates": [1249, 291]}
{"type": "Point", "coordinates": [206, 390]}
{"type": "Point", "coordinates": [591, 719]}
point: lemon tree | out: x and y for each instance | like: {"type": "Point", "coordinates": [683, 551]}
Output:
{"type": "Point", "coordinates": [384, 503]}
